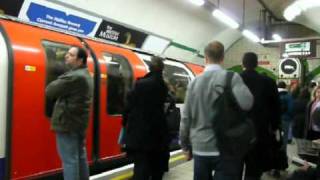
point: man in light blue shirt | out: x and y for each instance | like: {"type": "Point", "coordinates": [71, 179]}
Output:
{"type": "Point", "coordinates": [196, 131]}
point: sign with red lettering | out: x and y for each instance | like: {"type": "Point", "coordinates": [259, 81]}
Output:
{"type": "Point", "coordinates": [263, 62]}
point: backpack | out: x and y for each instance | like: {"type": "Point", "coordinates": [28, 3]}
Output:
{"type": "Point", "coordinates": [235, 132]}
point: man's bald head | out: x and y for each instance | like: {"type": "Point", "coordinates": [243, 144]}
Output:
{"type": "Point", "coordinates": [214, 52]}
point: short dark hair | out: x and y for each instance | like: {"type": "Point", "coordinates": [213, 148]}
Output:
{"type": "Point", "coordinates": [82, 54]}
{"type": "Point", "coordinates": [156, 64]}
{"type": "Point", "coordinates": [250, 60]}
{"type": "Point", "coordinates": [214, 51]}
{"type": "Point", "coordinates": [282, 84]}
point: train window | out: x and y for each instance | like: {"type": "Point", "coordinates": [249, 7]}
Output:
{"type": "Point", "coordinates": [177, 78]}
{"type": "Point", "coordinates": [119, 82]}
{"type": "Point", "coordinates": [55, 53]}
{"type": "Point", "coordinates": [176, 75]}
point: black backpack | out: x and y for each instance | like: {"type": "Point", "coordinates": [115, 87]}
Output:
{"type": "Point", "coordinates": [234, 131]}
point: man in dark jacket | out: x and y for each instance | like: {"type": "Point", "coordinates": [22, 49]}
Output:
{"type": "Point", "coordinates": [286, 111]}
{"type": "Point", "coordinates": [144, 118]}
{"type": "Point", "coordinates": [265, 114]}
{"type": "Point", "coordinates": [73, 91]}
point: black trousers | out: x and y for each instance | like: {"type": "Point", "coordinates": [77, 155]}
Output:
{"type": "Point", "coordinates": [149, 165]}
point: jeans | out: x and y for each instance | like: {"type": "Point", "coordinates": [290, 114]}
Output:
{"type": "Point", "coordinates": [224, 169]}
{"type": "Point", "coordinates": [285, 128]}
{"type": "Point", "coordinates": [72, 151]}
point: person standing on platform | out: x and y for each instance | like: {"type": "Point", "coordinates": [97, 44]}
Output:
{"type": "Point", "coordinates": [147, 138]}
{"type": "Point", "coordinates": [286, 111]}
{"type": "Point", "coordinates": [265, 114]}
{"type": "Point", "coordinates": [196, 130]}
{"type": "Point", "coordinates": [73, 91]}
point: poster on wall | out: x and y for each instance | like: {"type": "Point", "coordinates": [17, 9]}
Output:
{"type": "Point", "coordinates": [10, 7]}
{"type": "Point", "coordinates": [120, 34]}
{"type": "Point", "coordinates": [60, 17]}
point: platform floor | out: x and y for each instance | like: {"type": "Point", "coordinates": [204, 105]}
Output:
{"type": "Point", "coordinates": [185, 170]}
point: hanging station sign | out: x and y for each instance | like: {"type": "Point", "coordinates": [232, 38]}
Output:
{"type": "Point", "coordinates": [298, 49]}
{"type": "Point", "coordinates": [60, 17]}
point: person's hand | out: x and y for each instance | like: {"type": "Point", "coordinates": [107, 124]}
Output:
{"type": "Point", "coordinates": [187, 154]}
{"type": "Point", "coordinates": [305, 166]}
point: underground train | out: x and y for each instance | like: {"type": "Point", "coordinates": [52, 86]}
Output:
{"type": "Point", "coordinates": [32, 56]}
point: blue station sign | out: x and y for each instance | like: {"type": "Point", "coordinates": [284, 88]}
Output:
{"type": "Point", "coordinates": [59, 19]}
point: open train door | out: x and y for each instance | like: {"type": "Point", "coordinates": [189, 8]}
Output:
{"type": "Point", "coordinates": [5, 100]}
{"type": "Point", "coordinates": [119, 68]}
{"type": "Point", "coordinates": [31, 150]}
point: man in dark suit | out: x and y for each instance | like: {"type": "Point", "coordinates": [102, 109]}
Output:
{"type": "Point", "coordinates": [265, 114]}
{"type": "Point", "coordinates": [147, 131]}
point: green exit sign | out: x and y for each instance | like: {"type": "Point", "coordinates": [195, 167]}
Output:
{"type": "Point", "coordinates": [298, 47]}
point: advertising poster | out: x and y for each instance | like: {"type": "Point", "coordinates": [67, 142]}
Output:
{"type": "Point", "coordinates": [120, 34]}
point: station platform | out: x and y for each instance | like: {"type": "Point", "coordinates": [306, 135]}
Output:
{"type": "Point", "coordinates": [180, 169]}
{"type": "Point", "coordinates": [184, 171]}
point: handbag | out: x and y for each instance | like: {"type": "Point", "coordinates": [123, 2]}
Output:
{"type": "Point", "coordinates": [122, 137]}
{"type": "Point", "coordinates": [173, 119]}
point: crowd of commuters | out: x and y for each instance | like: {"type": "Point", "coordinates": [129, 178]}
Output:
{"type": "Point", "coordinates": [278, 114]}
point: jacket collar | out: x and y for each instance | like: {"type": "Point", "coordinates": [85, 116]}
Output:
{"type": "Point", "coordinates": [79, 67]}
{"type": "Point", "coordinates": [153, 74]}
{"type": "Point", "coordinates": [282, 90]}
{"type": "Point", "coordinates": [212, 67]}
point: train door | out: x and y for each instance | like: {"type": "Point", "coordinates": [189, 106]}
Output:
{"type": "Point", "coordinates": [118, 82]}
{"type": "Point", "coordinates": [196, 69]}
{"type": "Point", "coordinates": [118, 67]}
{"type": "Point", "coordinates": [55, 52]}
{"type": "Point", "coordinates": [4, 66]}
{"type": "Point", "coordinates": [32, 144]}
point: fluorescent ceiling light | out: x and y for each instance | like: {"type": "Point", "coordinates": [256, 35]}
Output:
{"type": "Point", "coordinates": [225, 19]}
{"type": "Point", "coordinates": [263, 41]}
{"type": "Point", "coordinates": [250, 35]}
{"type": "Point", "coordinates": [291, 12]}
{"type": "Point", "coordinates": [307, 4]}
{"type": "Point", "coordinates": [296, 8]}
{"type": "Point", "coordinates": [277, 37]}
{"type": "Point", "coordinates": [197, 2]}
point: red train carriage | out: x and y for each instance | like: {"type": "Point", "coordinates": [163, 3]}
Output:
{"type": "Point", "coordinates": [31, 57]}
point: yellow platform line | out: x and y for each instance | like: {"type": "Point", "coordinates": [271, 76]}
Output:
{"type": "Point", "coordinates": [124, 176]}
{"type": "Point", "coordinates": [130, 173]}
{"type": "Point", "coordinates": [180, 157]}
